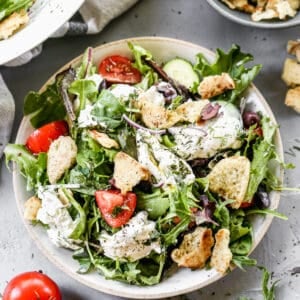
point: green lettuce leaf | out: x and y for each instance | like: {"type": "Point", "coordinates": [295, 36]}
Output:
{"type": "Point", "coordinates": [140, 55]}
{"type": "Point", "coordinates": [33, 168]}
{"type": "Point", "coordinates": [263, 151]}
{"type": "Point", "coordinates": [45, 107]}
{"type": "Point", "coordinates": [156, 203]}
{"type": "Point", "coordinates": [108, 110]}
{"type": "Point", "coordinates": [85, 90]}
{"type": "Point", "coordinates": [233, 63]}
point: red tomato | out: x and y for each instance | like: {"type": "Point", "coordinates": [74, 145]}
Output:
{"type": "Point", "coordinates": [41, 138]}
{"type": "Point", "coordinates": [116, 208]}
{"type": "Point", "coordinates": [258, 130]}
{"type": "Point", "coordinates": [32, 286]}
{"type": "Point", "coordinates": [246, 204]}
{"type": "Point", "coordinates": [119, 69]}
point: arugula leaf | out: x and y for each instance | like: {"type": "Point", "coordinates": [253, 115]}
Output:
{"type": "Point", "coordinates": [33, 168]}
{"type": "Point", "coordinates": [85, 90]}
{"type": "Point", "coordinates": [139, 54]}
{"type": "Point", "coordinates": [233, 63]}
{"type": "Point", "coordinates": [45, 107]}
{"type": "Point", "coordinates": [239, 227]}
{"type": "Point", "coordinates": [181, 200]}
{"type": "Point", "coordinates": [80, 218]}
{"type": "Point", "coordinates": [268, 290]}
{"type": "Point", "coordinates": [94, 166]}
{"type": "Point", "coordinates": [266, 211]}
{"type": "Point", "coordinates": [242, 261]}
{"type": "Point", "coordinates": [108, 110]}
{"type": "Point", "coordinates": [7, 7]}
{"type": "Point", "coordinates": [263, 151]}
{"type": "Point", "coordinates": [156, 203]}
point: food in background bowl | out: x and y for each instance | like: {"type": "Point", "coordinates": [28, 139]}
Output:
{"type": "Point", "coordinates": [163, 164]}
{"type": "Point", "coordinates": [265, 9]}
{"type": "Point", "coordinates": [13, 16]}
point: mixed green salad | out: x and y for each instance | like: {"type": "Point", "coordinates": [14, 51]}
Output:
{"type": "Point", "coordinates": [135, 166]}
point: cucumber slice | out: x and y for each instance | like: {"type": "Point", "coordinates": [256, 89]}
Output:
{"type": "Point", "coordinates": [181, 71]}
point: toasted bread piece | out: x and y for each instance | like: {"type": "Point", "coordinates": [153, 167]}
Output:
{"type": "Point", "coordinates": [12, 23]}
{"type": "Point", "coordinates": [291, 72]}
{"type": "Point", "coordinates": [191, 111]}
{"type": "Point", "coordinates": [221, 254]}
{"type": "Point", "coordinates": [229, 178]}
{"type": "Point", "coordinates": [292, 98]}
{"type": "Point", "coordinates": [293, 48]}
{"type": "Point", "coordinates": [103, 139]}
{"type": "Point", "coordinates": [128, 172]}
{"type": "Point", "coordinates": [32, 205]}
{"type": "Point", "coordinates": [156, 116]}
{"type": "Point", "coordinates": [215, 85]}
{"type": "Point", "coordinates": [195, 249]}
{"type": "Point", "coordinates": [241, 5]}
{"type": "Point", "coordinates": [61, 157]}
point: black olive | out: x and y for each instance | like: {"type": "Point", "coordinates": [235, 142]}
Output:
{"type": "Point", "coordinates": [145, 186]}
{"type": "Point", "coordinates": [261, 198]}
{"type": "Point", "coordinates": [250, 118]}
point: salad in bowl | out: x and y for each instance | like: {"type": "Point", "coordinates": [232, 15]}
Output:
{"type": "Point", "coordinates": [146, 164]}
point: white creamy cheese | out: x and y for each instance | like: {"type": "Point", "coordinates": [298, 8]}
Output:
{"type": "Point", "coordinates": [96, 78]}
{"type": "Point", "coordinates": [204, 141]}
{"type": "Point", "coordinates": [163, 164]}
{"type": "Point", "coordinates": [85, 119]}
{"type": "Point", "coordinates": [152, 96]}
{"type": "Point", "coordinates": [123, 91]}
{"type": "Point", "coordinates": [133, 241]}
{"type": "Point", "coordinates": [55, 214]}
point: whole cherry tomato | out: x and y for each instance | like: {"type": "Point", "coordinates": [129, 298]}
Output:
{"type": "Point", "coordinates": [32, 286]}
{"type": "Point", "coordinates": [119, 69]}
{"type": "Point", "coordinates": [41, 138]}
{"type": "Point", "coordinates": [116, 208]}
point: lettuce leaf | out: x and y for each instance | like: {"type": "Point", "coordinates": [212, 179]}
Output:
{"type": "Point", "coordinates": [108, 110]}
{"type": "Point", "coordinates": [45, 107]}
{"type": "Point", "coordinates": [140, 55]}
{"type": "Point", "coordinates": [33, 168]}
{"type": "Point", "coordinates": [233, 63]}
{"type": "Point", "coordinates": [263, 151]}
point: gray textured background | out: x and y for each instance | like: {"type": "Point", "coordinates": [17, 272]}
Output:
{"type": "Point", "coordinates": [197, 22]}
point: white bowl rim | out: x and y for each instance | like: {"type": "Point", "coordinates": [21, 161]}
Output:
{"type": "Point", "coordinates": [147, 293]}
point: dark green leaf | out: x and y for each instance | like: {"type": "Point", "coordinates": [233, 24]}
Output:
{"type": "Point", "coordinates": [45, 107]}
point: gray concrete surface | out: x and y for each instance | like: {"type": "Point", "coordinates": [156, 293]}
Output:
{"type": "Point", "coordinates": [197, 22]}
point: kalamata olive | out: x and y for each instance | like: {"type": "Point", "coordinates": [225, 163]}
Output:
{"type": "Point", "coordinates": [145, 186]}
{"type": "Point", "coordinates": [103, 85]}
{"type": "Point", "coordinates": [210, 111]}
{"type": "Point", "coordinates": [261, 198]}
{"type": "Point", "coordinates": [250, 118]}
{"type": "Point", "coordinates": [167, 90]}
{"type": "Point", "coordinates": [198, 162]}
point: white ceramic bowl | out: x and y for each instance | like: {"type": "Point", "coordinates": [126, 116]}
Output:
{"type": "Point", "coordinates": [46, 16]}
{"type": "Point", "coordinates": [183, 280]}
{"type": "Point", "coordinates": [245, 19]}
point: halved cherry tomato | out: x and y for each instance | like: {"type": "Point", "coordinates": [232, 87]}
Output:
{"type": "Point", "coordinates": [41, 138]}
{"type": "Point", "coordinates": [33, 286]}
{"type": "Point", "coordinates": [116, 208]}
{"type": "Point", "coordinates": [119, 69]}
{"type": "Point", "coordinates": [258, 131]}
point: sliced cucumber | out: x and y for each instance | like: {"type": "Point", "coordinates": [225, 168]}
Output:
{"type": "Point", "coordinates": [181, 71]}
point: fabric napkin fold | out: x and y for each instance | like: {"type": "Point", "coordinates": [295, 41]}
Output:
{"type": "Point", "coordinates": [91, 18]}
